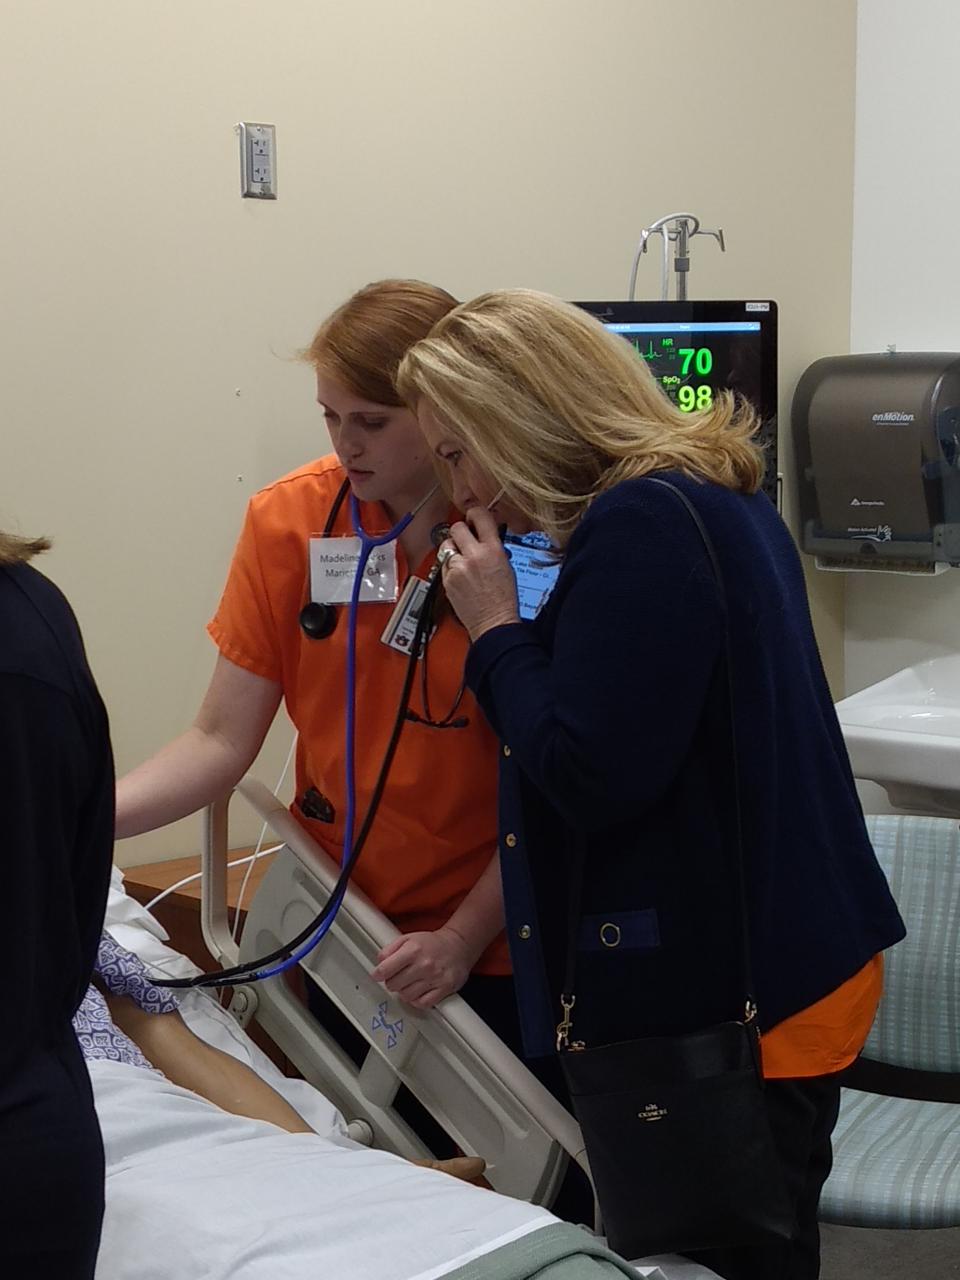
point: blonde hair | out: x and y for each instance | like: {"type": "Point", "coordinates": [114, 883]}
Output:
{"type": "Point", "coordinates": [16, 550]}
{"type": "Point", "coordinates": [558, 409]}
{"type": "Point", "coordinates": [361, 344]}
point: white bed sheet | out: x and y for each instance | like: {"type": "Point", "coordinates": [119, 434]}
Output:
{"type": "Point", "coordinates": [195, 1192]}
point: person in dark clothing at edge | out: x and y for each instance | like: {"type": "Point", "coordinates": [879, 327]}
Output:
{"type": "Point", "coordinates": [614, 722]}
{"type": "Point", "coordinates": [57, 786]}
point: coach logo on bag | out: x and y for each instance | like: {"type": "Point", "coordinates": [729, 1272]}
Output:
{"type": "Point", "coordinates": [652, 1112]}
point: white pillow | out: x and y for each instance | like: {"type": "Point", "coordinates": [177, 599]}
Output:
{"type": "Point", "coordinates": [135, 928]}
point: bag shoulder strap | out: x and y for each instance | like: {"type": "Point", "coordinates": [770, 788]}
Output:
{"type": "Point", "coordinates": [578, 852]}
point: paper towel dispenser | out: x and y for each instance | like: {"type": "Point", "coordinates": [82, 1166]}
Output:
{"type": "Point", "coordinates": [877, 443]}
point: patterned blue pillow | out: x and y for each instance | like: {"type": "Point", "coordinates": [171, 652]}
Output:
{"type": "Point", "coordinates": [123, 974]}
{"type": "Point", "coordinates": [99, 1036]}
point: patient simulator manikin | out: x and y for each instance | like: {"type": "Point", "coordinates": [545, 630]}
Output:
{"type": "Point", "coordinates": [125, 1018]}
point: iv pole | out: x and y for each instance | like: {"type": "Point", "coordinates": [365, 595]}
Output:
{"type": "Point", "coordinates": [684, 227]}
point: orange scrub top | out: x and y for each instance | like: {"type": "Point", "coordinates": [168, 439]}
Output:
{"type": "Point", "coordinates": [826, 1036]}
{"type": "Point", "coordinates": [436, 827]}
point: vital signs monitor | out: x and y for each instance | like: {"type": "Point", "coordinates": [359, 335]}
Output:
{"type": "Point", "coordinates": [695, 349]}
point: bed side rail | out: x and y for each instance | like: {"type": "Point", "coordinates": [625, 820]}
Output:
{"type": "Point", "coordinates": [457, 1068]}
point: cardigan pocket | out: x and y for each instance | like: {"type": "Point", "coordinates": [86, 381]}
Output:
{"type": "Point", "coordinates": [620, 931]}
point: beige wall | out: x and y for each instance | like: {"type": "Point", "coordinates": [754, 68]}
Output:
{"type": "Point", "coordinates": [149, 313]}
{"type": "Point", "coordinates": [907, 125]}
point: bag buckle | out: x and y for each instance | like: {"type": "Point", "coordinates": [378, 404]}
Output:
{"type": "Point", "coordinates": [749, 1012]}
{"type": "Point", "coordinates": [566, 1022]}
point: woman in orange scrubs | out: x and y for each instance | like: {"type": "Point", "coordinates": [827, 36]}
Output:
{"type": "Point", "coordinates": [430, 862]}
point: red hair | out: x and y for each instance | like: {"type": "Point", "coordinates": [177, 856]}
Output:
{"type": "Point", "coordinates": [362, 343]}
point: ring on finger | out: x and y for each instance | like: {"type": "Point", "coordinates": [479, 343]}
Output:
{"type": "Point", "coordinates": [445, 555]}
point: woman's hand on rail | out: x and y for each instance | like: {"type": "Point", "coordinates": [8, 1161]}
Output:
{"type": "Point", "coordinates": [477, 577]}
{"type": "Point", "coordinates": [421, 968]}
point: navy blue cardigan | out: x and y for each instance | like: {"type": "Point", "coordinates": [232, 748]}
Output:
{"type": "Point", "coordinates": [613, 714]}
{"type": "Point", "coordinates": [56, 782]}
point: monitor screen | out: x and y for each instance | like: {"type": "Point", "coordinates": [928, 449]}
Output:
{"type": "Point", "coordinates": [695, 349]}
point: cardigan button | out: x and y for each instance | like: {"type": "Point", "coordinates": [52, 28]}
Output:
{"type": "Point", "coordinates": [506, 749]}
{"type": "Point", "coordinates": [524, 932]}
{"type": "Point", "coordinates": [510, 840]}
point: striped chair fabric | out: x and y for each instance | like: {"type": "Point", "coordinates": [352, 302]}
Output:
{"type": "Point", "coordinates": [897, 1160]}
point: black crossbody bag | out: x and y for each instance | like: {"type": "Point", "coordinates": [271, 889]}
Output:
{"type": "Point", "coordinates": [675, 1127]}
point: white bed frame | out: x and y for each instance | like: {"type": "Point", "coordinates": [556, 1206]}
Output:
{"type": "Point", "coordinates": [462, 1073]}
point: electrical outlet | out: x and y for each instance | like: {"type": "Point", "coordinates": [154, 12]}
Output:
{"type": "Point", "coordinates": [258, 161]}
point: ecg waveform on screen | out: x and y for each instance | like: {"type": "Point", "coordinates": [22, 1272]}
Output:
{"type": "Point", "coordinates": [681, 371]}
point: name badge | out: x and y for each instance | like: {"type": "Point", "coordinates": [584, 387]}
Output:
{"type": "Point", "coordinates": [333, 567]}
{"type": "Point", "coordinates": [535, 569]}
{"type": "Point", "coordinates": [401, 630]}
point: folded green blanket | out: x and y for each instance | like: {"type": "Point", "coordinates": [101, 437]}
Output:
{"type": "Point", "coordinates": [555, 1252]}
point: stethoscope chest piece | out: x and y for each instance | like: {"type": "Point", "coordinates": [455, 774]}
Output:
{"type": "Point", "coordinates": [318, 621]}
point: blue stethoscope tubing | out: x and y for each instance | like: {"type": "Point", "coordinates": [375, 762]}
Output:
{"type": "Point", "coordinates": [368, 544]}
{"type": "Point", "coordinates": [254, 970]}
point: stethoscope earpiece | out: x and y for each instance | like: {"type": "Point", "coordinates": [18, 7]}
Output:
{"type": "Point", "coordinates": [318, 620]}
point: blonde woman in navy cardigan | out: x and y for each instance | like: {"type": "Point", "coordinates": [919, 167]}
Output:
{"type": "Point", "coordinates": [612, 712]}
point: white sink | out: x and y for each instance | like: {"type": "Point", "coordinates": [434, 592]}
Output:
{"type": "Point", "coordinates": [904, 733]}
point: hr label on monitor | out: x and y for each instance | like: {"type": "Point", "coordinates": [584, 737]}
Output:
{"type": "Point", "coordinates": [535, 568]}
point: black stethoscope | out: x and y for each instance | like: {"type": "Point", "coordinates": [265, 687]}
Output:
{"type": "Point", "coordinates": [290, 953]}
{"type": "Point", "coordinates": [319, 620]}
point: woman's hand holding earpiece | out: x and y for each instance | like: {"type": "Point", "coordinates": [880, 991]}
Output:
{"type": "Point", "coordinates": [477, 576]}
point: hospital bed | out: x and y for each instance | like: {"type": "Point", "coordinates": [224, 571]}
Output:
{"type": "Point", "coordinates": [195, 1192]}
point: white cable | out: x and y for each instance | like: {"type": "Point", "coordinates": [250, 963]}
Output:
{"type": "Point", "coordinates": [665, 267]}
{"type": "Point", "coordinates": [635, 266]}
{"type": "Point", "coordinates": [256, 853]}
{"type": "Point", "coordinates": [238, 862]}
{"type": "Point", "coordinates": [235, 931]}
